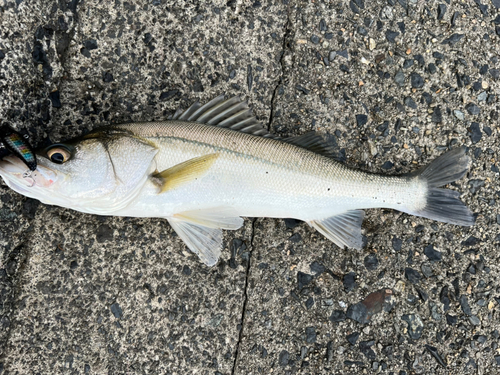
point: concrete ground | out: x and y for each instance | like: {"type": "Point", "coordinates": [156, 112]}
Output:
{"type": "Point", "coordinates": [394, 83]}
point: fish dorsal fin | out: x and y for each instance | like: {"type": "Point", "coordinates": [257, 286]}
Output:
{"type": "Point", "coordinates": [343, 230]}
{"type": "Point", "coordinates": [229, 113]}
{"type": "Point", "coordinates": [314, 142]}
{"type": "Point", "coordinates": [185, 172]}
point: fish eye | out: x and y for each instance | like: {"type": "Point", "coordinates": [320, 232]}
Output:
{"type": "Point", "coordinates": [59, 155]}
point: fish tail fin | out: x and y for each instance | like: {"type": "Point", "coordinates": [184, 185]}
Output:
{"type": "Point", "coordinates": [444, 204]}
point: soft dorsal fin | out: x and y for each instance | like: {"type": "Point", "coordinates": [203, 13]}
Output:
{"type": "Point", "coordinates": [185, 172]}
{"type": "Point", "coordinates": [343, 229]}
{"type": "Point", "coordinates": [315, 142]}
{"type": "Point", "coordinates": [229, 113]}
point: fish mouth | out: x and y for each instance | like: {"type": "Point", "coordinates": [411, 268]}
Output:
{"type": "Point", "coordinates": [24, 181]}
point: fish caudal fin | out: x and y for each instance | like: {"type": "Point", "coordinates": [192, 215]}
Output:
{"type": "Point", "coordinates": [443, 204]}
{"type": "Point", "coordinates": [343, 230]}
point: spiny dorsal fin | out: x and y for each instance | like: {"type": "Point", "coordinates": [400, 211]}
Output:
{"type": "Point", "coordinates": [185, 172]}
{"type": "Point", "coordinates": [229, 113]}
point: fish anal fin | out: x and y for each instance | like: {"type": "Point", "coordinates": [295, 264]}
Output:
{"type": "Point", "coordinates": [203, 241]}
{"type": "Point", "coordinates": [343, 229]}
{"type": "Point", "coordinates": [216, 217]}
{"type": "Point", "coordinates": [185, 172]}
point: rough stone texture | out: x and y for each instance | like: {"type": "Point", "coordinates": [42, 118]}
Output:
{"type": "Point", "coordinates": [84, 294]}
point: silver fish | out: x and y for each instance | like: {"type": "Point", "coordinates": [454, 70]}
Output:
{"type": "Point", "coordinates": [211, 165]}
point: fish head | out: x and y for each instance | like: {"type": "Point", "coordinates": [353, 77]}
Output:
{"type": "Point", "coordinates": [98, 173]}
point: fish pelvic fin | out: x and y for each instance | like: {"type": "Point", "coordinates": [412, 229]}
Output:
{"type": "Point", "coordinates": [343, 229]}
{"type": "Point", "coordinates": [444, 204]}
{"type": "Point", "coordinates": [201, 230]}
{"type": "Point", "coordinates": [184, 172]}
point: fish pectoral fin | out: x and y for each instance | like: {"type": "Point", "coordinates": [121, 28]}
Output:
{"type": "Point", "coordinates": [343, 229]}
{"type": "Point", "coordinates": [185, 172]}
{"type": "Point", "coordinates": [203, 241]}
{"type": "Point", "coordinates": [217, 217]}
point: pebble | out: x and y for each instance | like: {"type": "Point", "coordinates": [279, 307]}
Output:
{"type": "Point", "coordinates": [311, 335]}
{"type": "Point", "coordinates": [434, 352]}
{"type": "Point", "coordinates": [387, 165]}
{"type": "Point", "coordinates": [408, 63]}
{"type": "Point", "coordinates": [353, 337]}
{"type": "Point", "coordinates": [361, 119]}
{"type": "Point", "coordinates": [437, 115]}
{"type": "Point", "coordinates": [372, 44]}
{"type": "Point", "coordinates": [459, 114]}
{"type": "Point", "coordinates": [284, 357]}
{"type": "Point", "coordinates": [371, 262]}
{"type": "Point", "coordinates": [292, 223]}
{"type": "Point", "coordinates": [464, 304]}
{"type": "Point", "coordinates": [116, 310]}
{"type": "Point", "coordinates": [343, 53]}
{"type": "Point", "coordinates": [397, 243]}
{"type": "Point", "coordinates": [399, 78]}
{"type": "Point", "coordinates": [451, 319]}
{"type": "Point", "coordinates": [55, 99]}
{"type": "Point", "coordinates": [315, 39]}
{"type": "Point", "coordinates": [435, 311]}
{"type": "Point", "coordinates": [317, 268]}
{"type": "Point", "coordinates": [349, 281]}
{"type": "Point", "coordinates": [412, 275]}
{"type": "Point", "coordinates": [303, 279]}
{"type": "Point", "coordinates": [415, 325]}
{"type": "Point", "coordinates": [391, 35]}
{"type": "Point", "coordinates": [472, 109]}
{"type": "Point", "coordinates": [474, 320]}
{"type": "Point", "coordinates": [441, 11]}
{"type": "Point", "coordinates": [409, 102]}
{"type": "Point", "coordinates": [337, 316]}
{"type": "Point", "coordinates": [432, 254]}
{"type": "Point", "coordinates": [475, 132]}
{"type": "Point", "coordinates": [357, 312]}
{"type": "Point", "coordinates": [453, 39]}
{"type": "Point", "coordinates": [416, 80]}
{"type": "Point", "coordinates": [482, 96]}
{"type": "Point", "coordinates": [365, 348]}
{"type": "Point", "coordinates": [332, 55]}
{"type": "Point", "coordinates": [426, 270]}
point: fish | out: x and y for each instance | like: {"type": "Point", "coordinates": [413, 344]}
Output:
{"type": "Point", "coordinates": [207, 167]}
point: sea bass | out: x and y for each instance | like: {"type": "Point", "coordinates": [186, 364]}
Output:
{"type": "Point", "coordinates": [209, 166]}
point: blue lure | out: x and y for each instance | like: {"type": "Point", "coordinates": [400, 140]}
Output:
{"type": "Point", "coordinates": [12, 142]}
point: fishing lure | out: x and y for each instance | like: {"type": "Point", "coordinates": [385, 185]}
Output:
{"type": "Point", "coordinates": [12, 142]}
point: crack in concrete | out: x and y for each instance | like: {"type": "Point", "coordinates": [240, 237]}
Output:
{"type": "Point", "coordinates": [285, 46]}
{"type": "Point", "coordinates": [245, 293]}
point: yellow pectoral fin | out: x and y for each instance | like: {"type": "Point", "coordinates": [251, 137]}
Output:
{"type": "Point", "coordinates": [185, 172]}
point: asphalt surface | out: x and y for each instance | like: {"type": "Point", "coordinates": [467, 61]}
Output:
{"type": "Point", "coordinates": [393, 83]}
